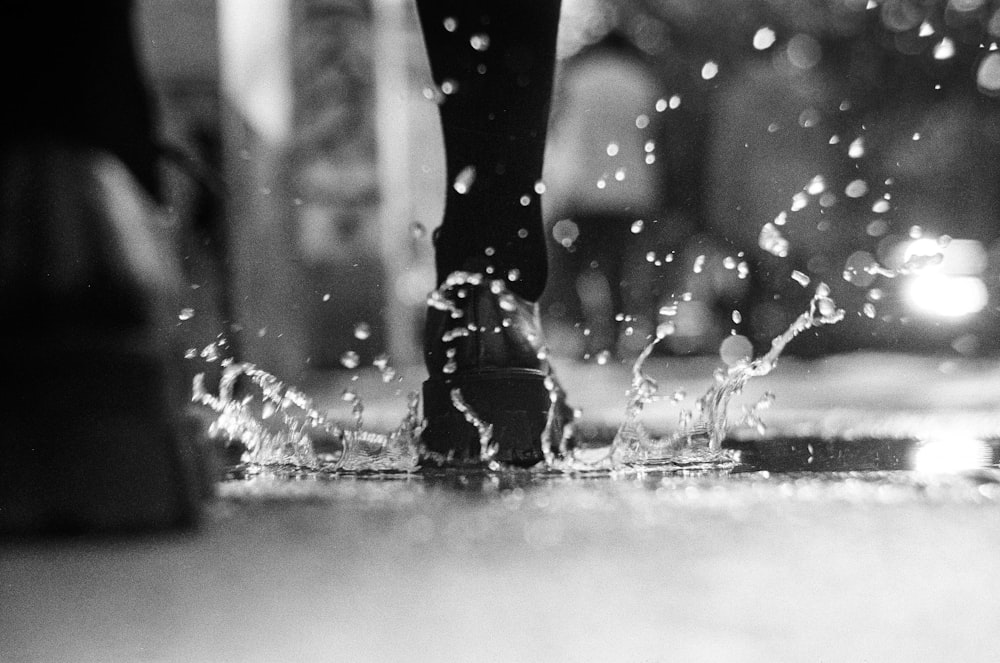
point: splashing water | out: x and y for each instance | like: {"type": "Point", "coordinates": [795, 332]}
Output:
{"type": "Point", "coordinates": [297, 425]}
{"type": "Point", "coordinates": [285, 429]}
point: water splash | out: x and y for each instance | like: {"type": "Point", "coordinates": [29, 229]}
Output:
{"type": "Point", "coordinates": [281, 426]}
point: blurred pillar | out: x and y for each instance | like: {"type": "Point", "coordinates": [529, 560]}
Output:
{"type": "Point", "coordinates": [393, 28]}
{"type": "Point", "coordinates": [256, 86]}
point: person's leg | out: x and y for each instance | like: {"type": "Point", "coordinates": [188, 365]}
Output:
{"type": "Point", "coordinates": [493, 61]}
{"type": "Point", "coordinates": [491, 395]}
{"type": "Point", "coordinates": [94, 439]}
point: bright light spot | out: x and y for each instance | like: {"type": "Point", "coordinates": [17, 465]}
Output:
{"type": "Point", "coordinates": [764, 38]}
{"type": "Point", "coordinates": [710, 70]}
{"type": "Point", "coordinates": [675, 102]}
{"type": "Point", "coordinates": [925, 246]}
{"type": "Point", "coordinates": [649, 146]}
{"type": "Point", "coordinates": [926, 29]}
{"type": "Point", "coordinates": [949, 455]}
{"type": "Point", "coordinates": [612, 149]}
{"type": "Point", "coordinates": [947, 296]}
{"type": "Point", "coordinates": [661, 105]}
{"type": "Point", "coordinates": [637, 227]}
{"type": "Point", "coordinates": [539, 187]}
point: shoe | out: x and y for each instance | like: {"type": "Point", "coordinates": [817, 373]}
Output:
{"type": "Point", "coordinates": [491, 396]}
{"type": "Point", "coordinates": [94, 439]}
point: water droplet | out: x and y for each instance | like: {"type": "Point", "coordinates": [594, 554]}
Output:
{"type": "Point", "coordinates": [800, 278]}
{"type": "Point", "coordinates": [772, 241]}
{"type": "Point", "coordinates": [480, 41]}
{"type": "Point", "coordinates": [834, 139]}
{"type": "Point", "coordinates": [450, 24]}
{"type": "Point", "coordinates": [449, 86]}
{"type": "Point", "coordinates": [743, 270]}
{"type": "Point", "coordinates": [816, 186]}
{"type": "Point", "coordinates": [525, 200]}
{"type": "Point", "coordinates": [781, 219]}
{"type": "Point", "coordinates": [612, 149]}
{"type": "Point", "coordinates": [856, 150]}
{"type": "Point", "coordinates": [650, 256]}
{"type": "Point", "coordinates": [417, 229]}
{"type": "Point", "coordinates": [799, 201]}
{"type": "Point", "coordinates": [513, 274]}
{"type": "Point", "coordinates": [729, 262]}
{"type": "Point", "coordinates": [764, 38]}
{"type": "Point", "coordinates": [737, 317]}
{"type": "Point", "coordinates": [186, 314]}
{"type": "Point", "coordinates": [349, 395]}
{"type": "Point", "coordinates": [489, 251]}
{"type": "Point", "coordinates": [650, 159]}
{"type": "Point", "coordinates": [539, 187]}
{"type": "Point", "coordinates": [601, 183]}
{"type": "Point", "coordinates": [686, 296]}
{"type": "Point", "coordinates": [191, 353]}
{"type": "Point", "coordinates": [665, 328]}
{"type": "Point", "coordinates": [709, 70]}
{"type": "Point", "coordinates": [637, 226]}
{"type": "Point", "coordinates": [944, 49]}
{"type": "Point", "coordinates": [699, 264]}
{"type": "Point", "coordinates": [734, 349]}
{"type": "Point", "coordinates": [464, 179]}
{"type": "Point", "coordinates": [916, 232]}
{"type": "Point", "coordinates": [602, 357]}
{"type": "Point", "coordinates": [856, 189]}
{"type": "Point", "coordinates": [880, 206]}
{"type": "Point", "coordinates": [926, 29]}
{"type": "Point", "coordinates": [641, 121]}
{"type": "Point", "coordinates": [350, 359]}
{"type": "Point", "coordinates": [661, 105]}
{"type": "Point", "coordinates": [326, 297]}
{"type": "Point", "coordinates": [675, 102]}
{"type": "Point", "coordinates": [678, 396]}
{"type": "Point", "coordinates": [869, 310]}
{"type": "Point", "coordinates": [522, 233]}
{"type": "Point", "coordinates": [362, 331]}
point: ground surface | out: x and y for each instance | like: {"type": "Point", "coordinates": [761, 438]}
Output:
{"type": "Point", "coordinates": [876, 566]}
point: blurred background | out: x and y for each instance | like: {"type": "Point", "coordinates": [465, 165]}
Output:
{"type": "Point", "coordinates": [709, 164]}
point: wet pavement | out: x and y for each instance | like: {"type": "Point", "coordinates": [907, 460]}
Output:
{"type": "Point", "coordinates": [751, 566]}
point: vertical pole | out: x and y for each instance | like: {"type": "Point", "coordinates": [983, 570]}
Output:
{"type": "Point", "coordinates": [257, 103]}
{"type": "Point", "coordinates": [392, 88]}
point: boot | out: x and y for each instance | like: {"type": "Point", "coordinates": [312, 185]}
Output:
{"type": "Point", "coordinates": [491, 395]}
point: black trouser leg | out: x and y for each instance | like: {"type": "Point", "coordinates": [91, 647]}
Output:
{"type": "Point", "coordinates": [493, 61]}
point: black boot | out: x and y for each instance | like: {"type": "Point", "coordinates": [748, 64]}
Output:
{"type": "Point", "coordinates": [491, 395]}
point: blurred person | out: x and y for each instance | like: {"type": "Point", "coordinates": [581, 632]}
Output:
{"type": "Point", "coordinates": [605, 184]}
{"type": "Point", "coordinates": [94, 439]}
